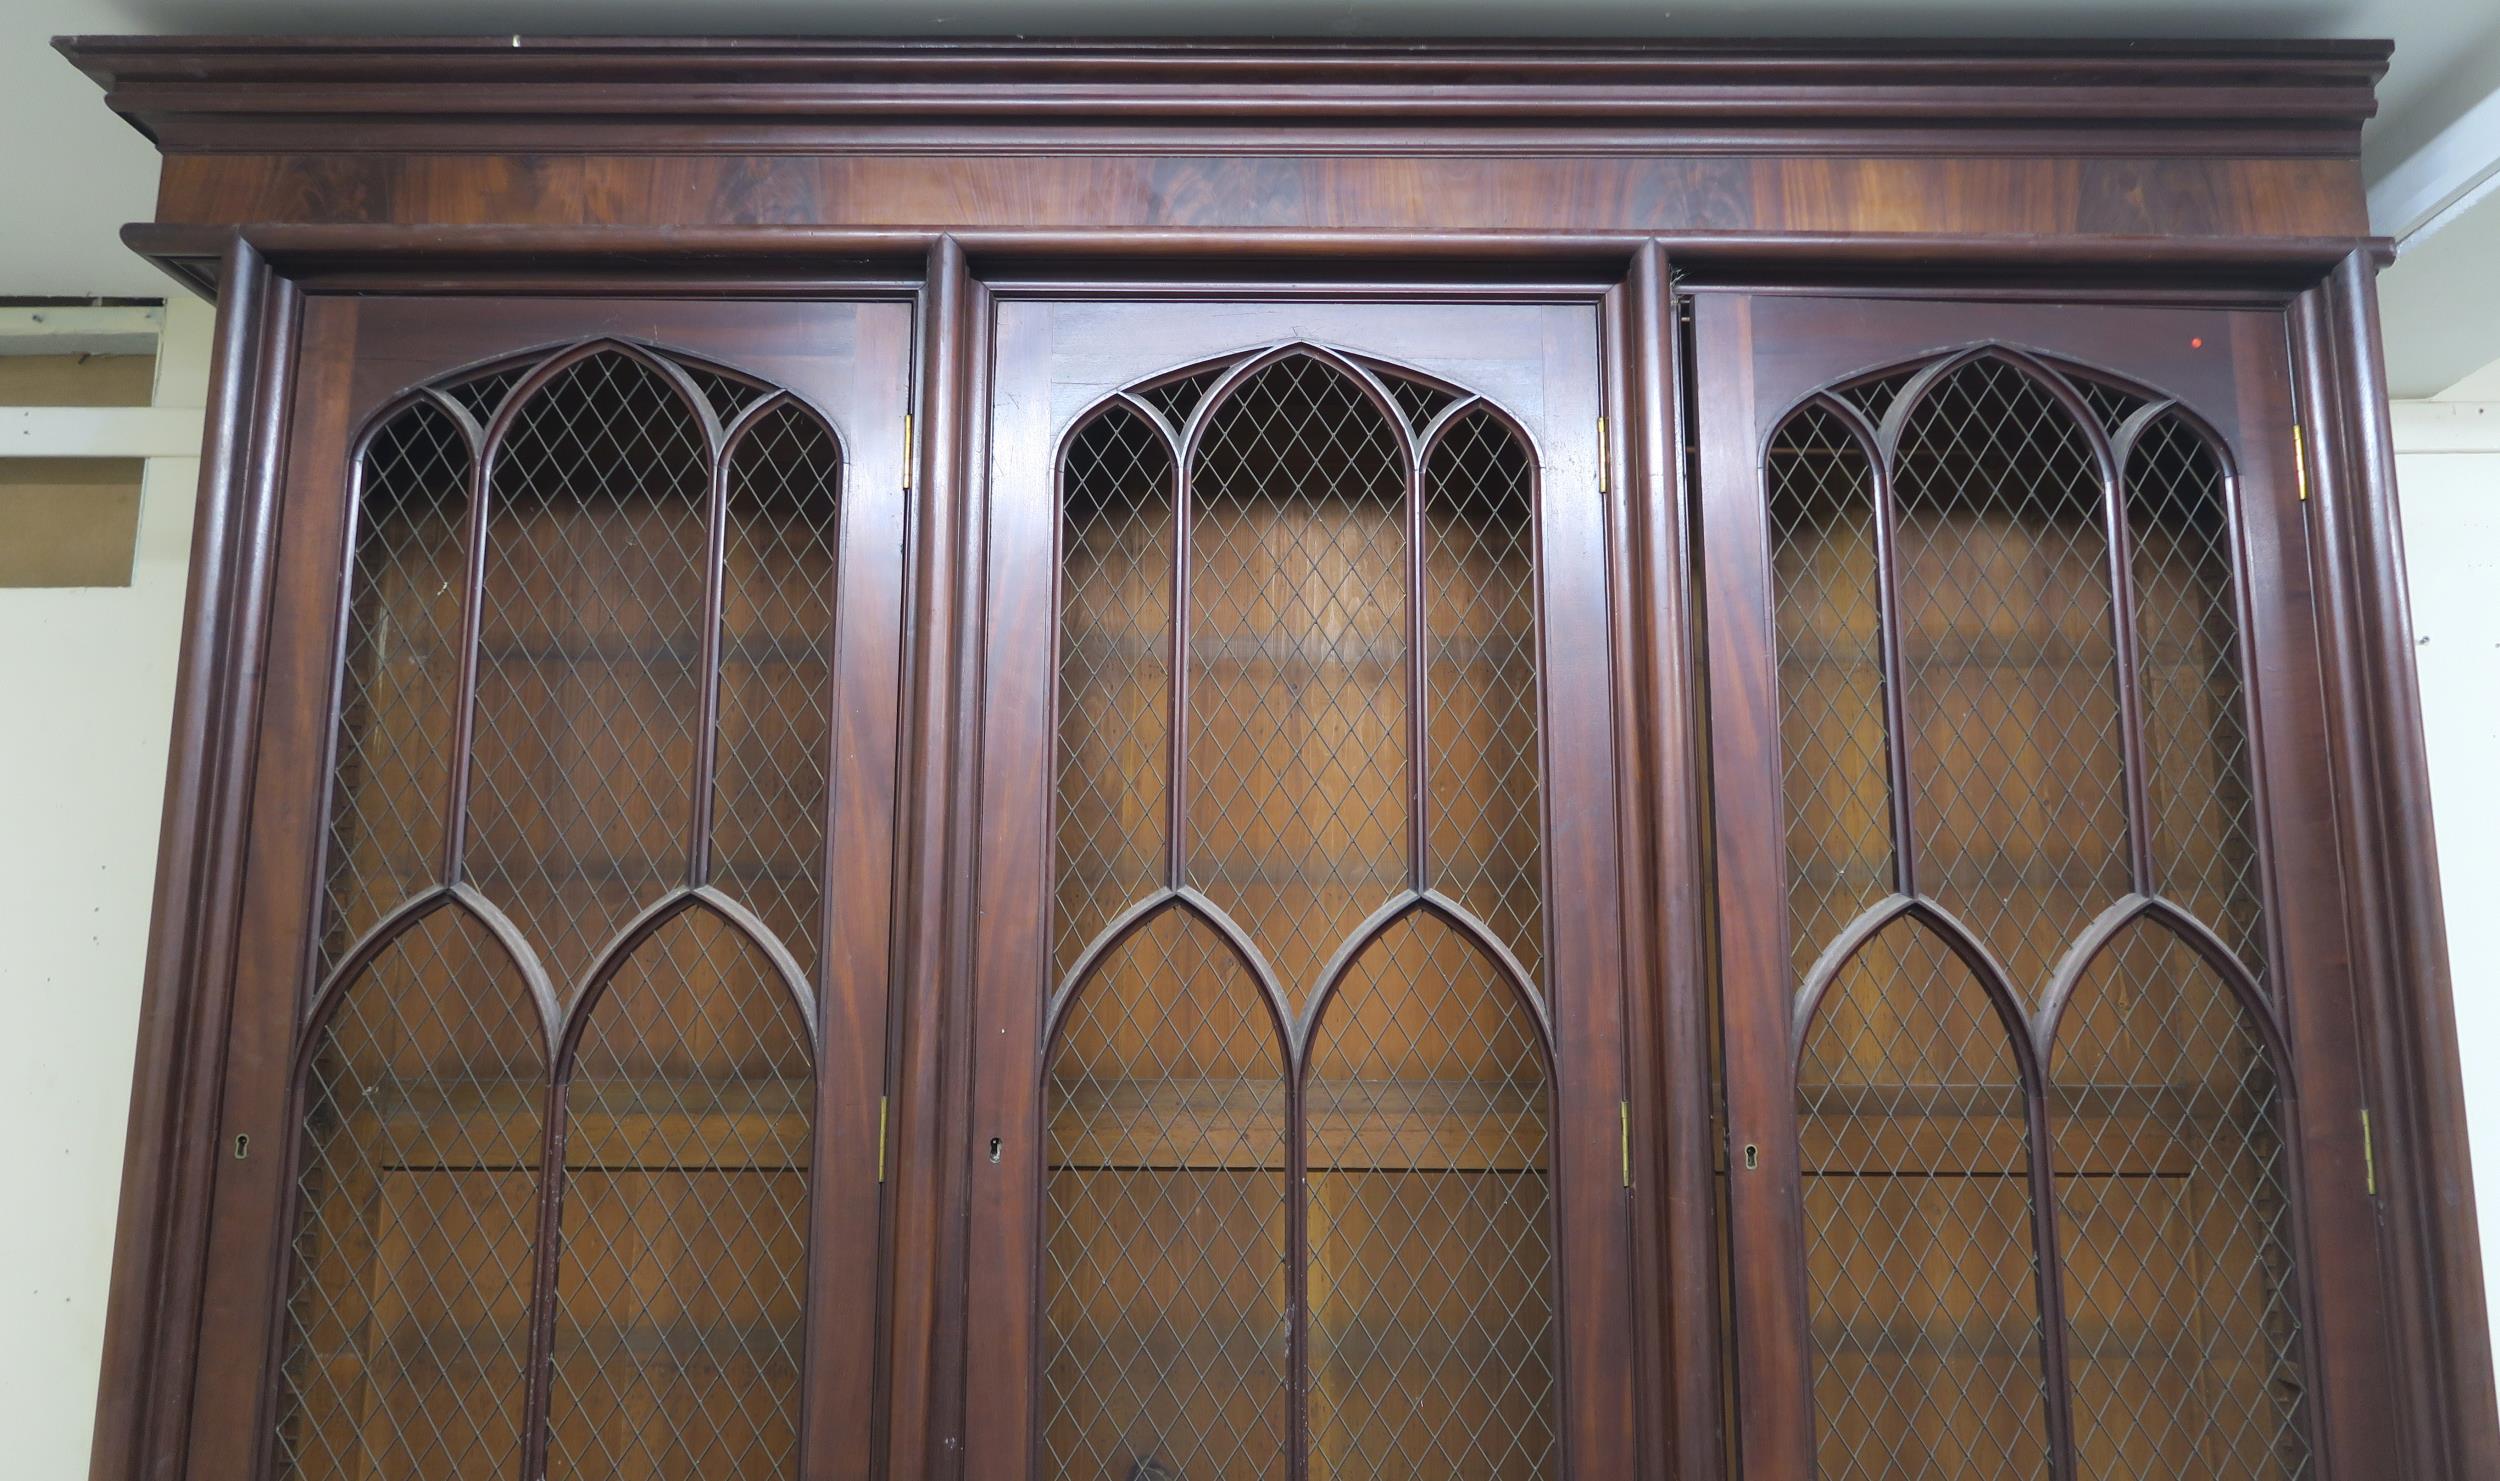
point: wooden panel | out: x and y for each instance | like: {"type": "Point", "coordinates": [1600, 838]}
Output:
{"type": "Point", "coordinates": [68, 521]}
{"type": "Point", "coordinates": [1977, 196]}
{"type": "Point", "coordinates": [77, 380]}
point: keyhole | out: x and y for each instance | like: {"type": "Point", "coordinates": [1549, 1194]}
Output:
{"type": "Point", "coordinates": [1753, 1157]}
{"type": "Point", "coordinates": [242, 1145]}
{"type": "Point", "coordinates": [993, 1149]}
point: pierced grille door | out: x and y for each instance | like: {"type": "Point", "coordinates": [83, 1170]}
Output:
{"type": "Point", "coordinates": [1298, 1049]}
{"type": "Point", "coordinates": [559, 1055]}
{"type": "Point", "coordinates": [2038, 1055]}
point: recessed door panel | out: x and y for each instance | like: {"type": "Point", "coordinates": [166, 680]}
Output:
{"type": "Point", "coordinates": [561, 1048]}
{"type": "Point", "coordinates": [2013, 684]}
{"type": "Point", "coordinates": [1297, 1049]}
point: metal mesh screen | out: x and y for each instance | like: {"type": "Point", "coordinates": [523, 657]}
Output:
{"type": "Point", "coordinates": [679, 1299]}
{"type": "Point", "coordinates": [725, 393]}
{"type": "Point", "coordinates": [1480, 668]}
{"type": "Point", "coordinates": [1115, 675]}
{"type": "Point", "coordinates": [1297, 788]}
{"type": "Point", "coordinates": [1355, 719]}
{"type": "Point", "coordinates": [581, 799]}
{"type": "Point", "coordinates": [1833, 731]}
{"type": "Point", "coordinates": [637, 584]}
{"type": "Point", "coordinates": [2009, 673]}
{"type": "Point", "coordinates": [1418, 401]}
{"type": "Point", "coordinates": [408, 1315]}
{"type": "Point", "coordinates": [2174, 1215]}
{"type": "Point", "coordinates": [2196, 774]}
{"type": "Point", "coordinates": [1918, 1217]}
{"type": "Point", "coordinates": [2110, 405]}
{"type": "Point", "coordinates": [482, 395]}
{"type": "Point", "coordinates": [1167, 1345]}
{"type": "Point", "coordinates": [1431, 1278]}
{"type": "Point", "coordinates": [1178, 397]}
{"type": "Point", "coordinates": [1874, 396]}
{"type": "Point", "coordinates": [391, 772]}
{"type": "Point", "coordinates": [2040, 793]}
{"type": "Point", "coordinates": [775, 674]}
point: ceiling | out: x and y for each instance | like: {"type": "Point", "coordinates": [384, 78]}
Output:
{"type": "Point", "coordinates": [73, 173]}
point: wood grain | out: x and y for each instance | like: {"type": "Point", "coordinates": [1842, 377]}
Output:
{"type": "Point", "coordinates": [1968, 196]}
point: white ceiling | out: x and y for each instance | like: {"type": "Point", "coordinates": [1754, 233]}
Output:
{"type": "Point", "coordinates": [71, 174]}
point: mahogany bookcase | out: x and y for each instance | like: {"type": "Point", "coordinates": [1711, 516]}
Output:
{"type": "Point", "coordinates": [1220, 760]}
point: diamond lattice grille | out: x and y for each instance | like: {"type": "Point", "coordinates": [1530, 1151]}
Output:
{"type": "Point", "coordinates": [2110, 406]}
{"type": "Point", "coordinates": [676, 1307]}
{"type": "Point", "coordinates": [2174, 1222]}
{"type": "Point", "coordinates": [1918, 1213]}
{"type": "Point", "coordinates": [1115, 675]}
{"type": "Point", "coordinates": [1298, 675]}
{"type": "Point", "coordinates": [2009, 675]}
{"type": "Point", "coordinates": [681, 1295]}
{"type": "Point", "coordinates": [2174, 1262]}
{"type": "Point", "coordinates": [1419, 402]}
{"type": "Point", "coordinates": [1833, 734]}
{"type": "Point", "coordinates": [2196, 772]}
{"type": "Point", "coordinates": [1875, 396]}
{"type": "Point", "coordinates": [1164, 1283]}
{"type": "Point", "coordinates": [1176, 399]}
{"type": "Point", "coordinates": [581, 796]}
{"type": "Point", "coordinates": [776, 674]}
{"type": "Point", "coordinates": [723, 392]}
{"type": "Point", "coordinates": [1427, 1293]}
{"type": "Point", "coordinates": [482, 395]}
{"type": "Point", "coordinates": [1431, 1274]}
{"type": "Point", "coordinates": [392, 775]}
{"type": "Point", "coordinates": [407, 1331]}
{"type": "Point", "coordinates": [1480, 669]}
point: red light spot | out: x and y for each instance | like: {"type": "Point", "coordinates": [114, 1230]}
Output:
{"type": "Point", "coordinates": [2196, 344]}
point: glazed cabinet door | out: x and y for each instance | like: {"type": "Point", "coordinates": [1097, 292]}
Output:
{"type": "Point", "coordinates": [2044, 1134]}
{"type": "Point", "coordinates": [560, 1022]}
{"type": "Point", "coordinates": [1297, 1051]}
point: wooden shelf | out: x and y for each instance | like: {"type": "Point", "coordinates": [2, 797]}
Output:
{"type": "Point", "coordinates": [745, 1125]}
{"type": "Point", "coordinates": [683, 653]}
{"type": "Point", "coordinates": [677, 1345]}
{"type": "Point", "coordinates": [1510, 657]}
{"type": "Point", "coordinates": [1239, 1126]}
{"type": "Point", "coordinates": [2021, 655]}
{"type": "Point", "coordinates": [1950, 1133]}
{"type": "Point", "coordinates": [2109, 1344]}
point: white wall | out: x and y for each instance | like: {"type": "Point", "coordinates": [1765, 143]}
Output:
{"type": "Point", "coordinates": [88, 674]}
{"type": "Point", "coordinates": [2448, 483]}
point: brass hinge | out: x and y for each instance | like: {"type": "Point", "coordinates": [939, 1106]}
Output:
{"type": "Point", "coordinates": [907, 452]}
{"type": "Point", "coordinates": [1623, 1116]}
{"type": "Point", "coordinates": [1602, 459]}
{"type": "Point", "coordinates": [2300, 464]}
{"type": "Point", "coordinates": [2369, 1157]}
{"type": "Point", "coordinates": [881, 1139]}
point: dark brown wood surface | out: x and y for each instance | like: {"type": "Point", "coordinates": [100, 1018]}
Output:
{"type": "Point", "coordinates": [150, 1354]}
{"type": "Point", "coordinates": [2403, 1016]}
{"type": "Point", "coordinates": [689, 94]}
{"type": "Point", "coordinates": [1977, 196]}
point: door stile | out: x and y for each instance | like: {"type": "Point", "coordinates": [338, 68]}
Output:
{"type": "Point", "coordinates": [1774, 1406]}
